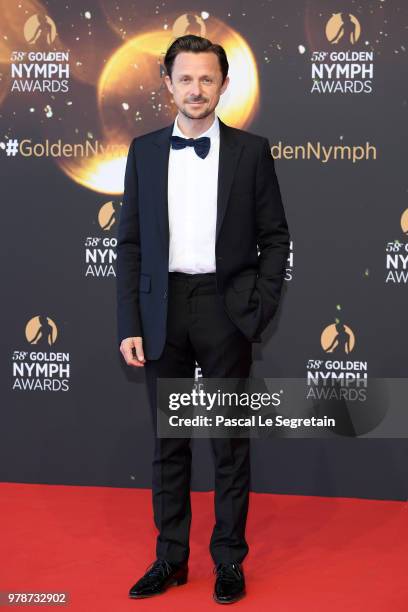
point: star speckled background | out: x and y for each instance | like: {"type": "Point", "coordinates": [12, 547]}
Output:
{"type": "Point", "coordinates": [341, 216]}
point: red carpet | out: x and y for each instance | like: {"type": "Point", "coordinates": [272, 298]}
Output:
{"type": "Point", "coordinates": [306, 553]}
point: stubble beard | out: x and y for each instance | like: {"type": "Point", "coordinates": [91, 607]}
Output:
{"type": "Point", "coordinates": [201, 115]}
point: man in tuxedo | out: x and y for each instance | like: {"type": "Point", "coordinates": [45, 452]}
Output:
{"type": "Point", "coordinates": [200, 199]}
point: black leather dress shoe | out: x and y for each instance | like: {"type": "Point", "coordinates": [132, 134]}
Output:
{"type": "Point", "coordinates": [159, 575]}
{"type": "Point", "coordinates": [230, 583]}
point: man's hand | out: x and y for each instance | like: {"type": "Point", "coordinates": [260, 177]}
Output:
{"type": "Point", "coordinates": [126, 349]}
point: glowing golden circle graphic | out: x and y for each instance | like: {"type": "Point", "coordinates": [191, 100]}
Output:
{"type": "Point", "coordinates": [133, 99]}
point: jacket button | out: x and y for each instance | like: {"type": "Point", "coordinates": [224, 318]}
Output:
{"type": "Point", "coordinates": [165, 294]}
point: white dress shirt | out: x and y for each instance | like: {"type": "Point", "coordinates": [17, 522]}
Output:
{"type": "Point", "coordinates": [192, 204]}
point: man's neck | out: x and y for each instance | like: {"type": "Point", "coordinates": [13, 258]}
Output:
{"type": "Point", "coordinates": [192, 128]}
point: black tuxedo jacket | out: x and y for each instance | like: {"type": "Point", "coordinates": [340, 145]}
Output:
{"type": "Point", "coordinates": [250, 214]}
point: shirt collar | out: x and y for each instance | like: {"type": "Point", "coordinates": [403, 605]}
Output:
{"type": "Point", "coordinates": [212, 132]}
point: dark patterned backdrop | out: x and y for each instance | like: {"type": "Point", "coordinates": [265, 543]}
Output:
{"type": "Point", "coordinates": [326, 83]}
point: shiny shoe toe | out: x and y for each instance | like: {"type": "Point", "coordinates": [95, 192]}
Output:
{"type": "Point", "coordinates": [159, 575]}
{"type": "Point", "coordinates": [229, 584]}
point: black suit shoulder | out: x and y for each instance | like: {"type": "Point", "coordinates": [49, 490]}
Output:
{"type": "Point", "coordinates": [248, 137]}
{"type": "Point", "coordinates": [255, 143]}
{"type": "Point", "coordinates": [143, 138]}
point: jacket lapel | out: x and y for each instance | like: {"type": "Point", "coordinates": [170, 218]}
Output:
{"type": "Point", "coordinates": [229, 152]}
{"type": "Point", "coordinates": [160, 163]}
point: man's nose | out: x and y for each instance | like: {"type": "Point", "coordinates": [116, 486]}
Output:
{"type": "Point", "coordinates": [196, 90]}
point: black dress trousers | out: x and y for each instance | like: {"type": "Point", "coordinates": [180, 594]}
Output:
{"type": "Point", "coordinates": [198, 328]}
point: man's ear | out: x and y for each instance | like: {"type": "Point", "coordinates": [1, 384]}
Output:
{"type": "Point", "coordinates": [225, 84]}
{"type": "Point", "coordinates": [168, 82]}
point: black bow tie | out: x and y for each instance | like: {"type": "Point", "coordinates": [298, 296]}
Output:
{"type": "Point", "coordinates": [201, 145]}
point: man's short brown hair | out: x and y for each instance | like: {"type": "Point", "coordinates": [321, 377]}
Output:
{"type": "Point", "coordinates": [195, 44]}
